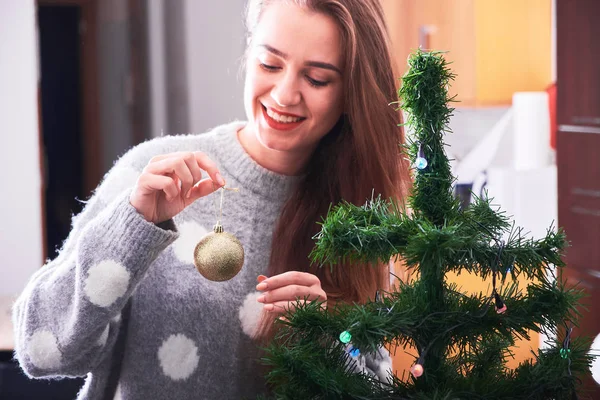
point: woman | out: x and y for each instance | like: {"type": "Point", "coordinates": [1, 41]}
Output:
{"type": "Point", "coordinates": [123, 302]}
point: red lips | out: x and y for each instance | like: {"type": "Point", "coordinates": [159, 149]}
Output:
{"type": "Point", "coordinates": [282, 126]}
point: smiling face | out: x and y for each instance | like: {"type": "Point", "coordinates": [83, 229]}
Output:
{"type": "Point", "coordinates": [293, 94]}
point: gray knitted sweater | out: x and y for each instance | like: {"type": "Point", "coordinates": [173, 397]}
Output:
{"type": "Point", "coordinates": [124, 305]}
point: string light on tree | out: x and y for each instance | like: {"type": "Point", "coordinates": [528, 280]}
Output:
{"type": "Point", "coordinates": [354, 352]}
{"type": "Point", "coordinates": [417, 370]}
{"type": "Point", "coordinates": [345, 337]}
{"type": "Point", "coordinates": [500, 305]}
{"type": "Point", "coordinates": [565, 351]}
{"type": "Point", "coordinates": [421, 161]}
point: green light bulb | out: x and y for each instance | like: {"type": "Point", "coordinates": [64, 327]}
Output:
{"type": "Point", "coordinates": [345, 337]}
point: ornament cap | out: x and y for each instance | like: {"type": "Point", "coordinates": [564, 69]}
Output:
{"type": "Point", "coordinates": [218, 228]}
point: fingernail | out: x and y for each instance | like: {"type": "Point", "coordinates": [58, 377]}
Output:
{"type": "Point", "coordinates": [220, 179]}
{"type": "Point", "coordinates": [261, 278]}
{"type": "Point", "coordinates": [189, 193]}
{"type": "Point", "coordinates": [268, 307]}
{"type": "Point", "coordinates": [261, 286]}
{"type": "Point", "coordinates": [261, 299]}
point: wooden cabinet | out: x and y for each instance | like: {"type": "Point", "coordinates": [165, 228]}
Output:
{"type": "Point", "coordinates": [578, 152]}
{"type": "Point", "coordinates": [497, 47]}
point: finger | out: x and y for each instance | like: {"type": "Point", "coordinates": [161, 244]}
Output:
{"type": "Point", "coordinates": [150, 183]}
{"type": "Point", "coordinates": [203, 188]}
{"type": "Point", "coordinates": [184, 174]}
{"type": "Point", "coordinates": [289, 278]}
{"type": "Point", "coordinates": [176, 154]}
{"type": "Point", "coordinates": [174, 165]}
{"type": "Point", "coordinates": [210, 167]}
{"type": "Point", "coordinates": [202, 160]}
{"type": "Point", "coordinates": [190, 161]}
{"type": "Point", "coordinates": [261, 278]}
{"type": "Point", "coordinates": [281, 307]}
{"type": "Point", "coordinates": [292, 293]}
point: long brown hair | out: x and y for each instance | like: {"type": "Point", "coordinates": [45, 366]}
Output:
{"type": "Point", "coordinates": [361, 156]}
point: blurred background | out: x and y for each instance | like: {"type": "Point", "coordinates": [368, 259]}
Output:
{"type": "Point", "coordinates": [81, 81]}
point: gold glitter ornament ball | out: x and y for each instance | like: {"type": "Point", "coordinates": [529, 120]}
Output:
{"type": "Point", "coordinates": [219, 255]}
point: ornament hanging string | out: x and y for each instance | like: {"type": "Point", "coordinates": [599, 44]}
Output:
{"type": "Point", "coordinates": [219, 209]}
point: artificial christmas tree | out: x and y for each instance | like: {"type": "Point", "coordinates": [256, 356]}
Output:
{"type": "Point", "coordinates": [462, 341]}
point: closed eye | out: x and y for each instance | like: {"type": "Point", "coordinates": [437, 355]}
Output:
{"type": "Point", "coordinates": [269, 68]}
{"type": "Point", "coordinates": [315, 83]}
{"type": "Point", "coordinates": [311, 81]}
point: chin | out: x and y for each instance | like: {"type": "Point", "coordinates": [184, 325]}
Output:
{"type": "Point", "coordinates": [272, 142]}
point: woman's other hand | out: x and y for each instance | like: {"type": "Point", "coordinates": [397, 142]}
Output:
{"type": "Point", "coordinates": [282, 292]}
{"type": "Point", "coordinates": [171, 182]}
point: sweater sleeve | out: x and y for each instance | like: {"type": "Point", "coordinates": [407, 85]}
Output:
{"type": "Point", "coordinates": [68, 316]}
{"type": "Point", "coordinates": [377, 365]}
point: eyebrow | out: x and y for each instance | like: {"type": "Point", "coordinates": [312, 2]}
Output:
{"type": "Point", "coordinates": [317, 64]}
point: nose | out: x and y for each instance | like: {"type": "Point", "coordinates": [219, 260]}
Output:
{"type": "Point", "coordinates": [286, 92]}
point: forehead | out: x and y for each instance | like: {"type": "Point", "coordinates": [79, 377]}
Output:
{"type": "Point", "coordinates": [302, 34]}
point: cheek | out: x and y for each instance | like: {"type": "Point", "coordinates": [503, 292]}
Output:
{"type": "Point", "coordinates": [328, 107]}
{"type": "Point", "coordinates": [255, 87]}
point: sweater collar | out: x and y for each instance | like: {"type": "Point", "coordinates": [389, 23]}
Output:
{"type": "Point", "coordinates": [238, 164]}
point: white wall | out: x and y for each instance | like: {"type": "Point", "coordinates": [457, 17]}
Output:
{"type": "Point", "coordinates": [156, 67]}
{"type": "Point", "coordinates": [215, 43]}
{"type": "Point", "coordinates": [20, 180]}
{"type": "Point", "coordinates": [113, 76]}
{"type": "Point", "coordinates": [196, 49]}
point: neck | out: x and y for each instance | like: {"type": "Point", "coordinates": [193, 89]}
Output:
{"type": "Point", "coordinates": [280, 162]}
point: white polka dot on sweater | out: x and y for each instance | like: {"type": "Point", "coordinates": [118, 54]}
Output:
{"type": "Point", "coordinates": [43, 350]}
{"type": "Point", "coordinates": [124, 178]}
{"type": "Point", "coordinates": [190, 233]}
{"type": "Point", "coordinates": [595, 368]}
{"type": "Point", "coordinates": [178, 356]}
{"type": "Point", "coordinates": [103, 337]}
{"type": "Point", "coordinates": [250, 312]}
{"type": "Point", "coordinates": [118, 395]}
{"type": "Point", "coordinates": [106, 282]}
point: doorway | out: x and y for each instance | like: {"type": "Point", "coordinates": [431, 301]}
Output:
{"type": "Point", "coordinates": [69, 130]}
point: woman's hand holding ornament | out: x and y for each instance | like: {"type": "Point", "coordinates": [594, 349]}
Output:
{"type": "Point", "coordinates": [171, 182]}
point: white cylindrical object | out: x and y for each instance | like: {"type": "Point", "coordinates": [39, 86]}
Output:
{"type": "Point", "coordinates": [531, 130]}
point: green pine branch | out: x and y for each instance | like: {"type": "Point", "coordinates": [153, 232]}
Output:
{"type": "Point", "coordinates": [424, 95]}
{"type": "Point", "coordinates": [380, 230]}
{"type": "Point", "coordinates": [302, 371]}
